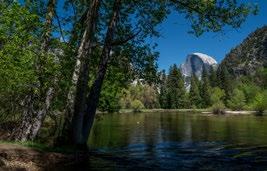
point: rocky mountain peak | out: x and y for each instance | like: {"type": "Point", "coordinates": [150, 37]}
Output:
{"type": "Point", "coordinates": [194, 64]}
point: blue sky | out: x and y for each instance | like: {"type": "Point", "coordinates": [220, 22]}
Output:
{"type": "Point", "coordinates": [175, 42]}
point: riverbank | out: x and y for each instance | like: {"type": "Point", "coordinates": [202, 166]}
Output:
{"type": "Point", "coordinates": [159, 110]}
{"type": "Point", "coordinates": [203, 111]}
{"type": "Point", "coordinates": [21, 157]}
{"type": "Point", "coordinates": [231, 112]}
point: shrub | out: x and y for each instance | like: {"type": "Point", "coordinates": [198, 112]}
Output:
{"type": "Point", "coordinates": [218, 108]}
{"type": "Point", "coordinates": [238, 100]}
{"type": "Point", "coordinates": [260, 102]}
{"type": "Point", "coordinates": [217, 95]}
{"type": "Point", "coordinates": [137, 105]}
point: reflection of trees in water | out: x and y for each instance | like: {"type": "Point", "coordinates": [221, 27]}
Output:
{"type": "Point", "coordinates": [176, 127]}
{"type": "Point", "coordinates": [153, 135]}
{"type": "Point", "coordinates": [109, 132]}
{"type": "Point", "coordinates": [122, 130]}
{"type": "Point", "coordinates": [200, 128]}
{"type": "Point", "coordinates": [136, 131]}
{"type": "Point", "coordinates": [232, 129]}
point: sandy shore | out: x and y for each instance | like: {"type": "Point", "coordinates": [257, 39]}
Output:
{"type": "Point", "coordinates": [231, 112]}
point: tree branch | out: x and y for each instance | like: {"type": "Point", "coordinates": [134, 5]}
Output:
{"type": "Point", "coordinates": [60, 27]}
{"type": "Point", "coordinates": [125, 39]}
{"type": "Point", "coordinates": [197, 10]}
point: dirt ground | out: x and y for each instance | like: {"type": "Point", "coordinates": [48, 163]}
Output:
{"type": "Point", "coordinates": [20, 158]}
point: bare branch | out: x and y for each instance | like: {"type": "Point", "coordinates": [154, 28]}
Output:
{"type": "Point", "coordinates": [125, 39]}
{"type": "Point", "coordinates": [60, 27]}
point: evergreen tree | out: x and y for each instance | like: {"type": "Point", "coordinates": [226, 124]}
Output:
{"type": "Point", "coordinates": [176, 92]}
{"type": "Point", "coordinates": [194, 96]}
{"type": "Point", "coordinates": [169, 88]}
{"type": "Point", "coordinates": [182, 95]}
{"type": "Point", "coordinates": [205, 91]}
{"type": "Point", "coordinates": [212, 77]}
{"type": "Point", "coordinates": [163, 90]}
{"type": "Point", "coordinates": [172, 87]}
{"type": "Point", "coordinates": [225, 82]}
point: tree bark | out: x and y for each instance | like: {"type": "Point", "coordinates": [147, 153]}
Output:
{"type": "Point", "coordinates": [94, 94]}
{"type": "Point", "coordinates": [76, 98]}
{"type": "Point", "coordinates": [36, 108]}
{"type": "Point", "coordinates": [41, 114]}
{"type": "Point", "coordinates": [22, 132]}
{"type": "Point", "coordinates": [32, 119]}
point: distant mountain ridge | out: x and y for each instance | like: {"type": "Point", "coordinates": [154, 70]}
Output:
{"type": "Point", "coordinates": [250, 55]}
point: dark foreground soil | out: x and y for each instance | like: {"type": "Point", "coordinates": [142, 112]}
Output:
{"type": "Point", "coordinates": [19, 158]}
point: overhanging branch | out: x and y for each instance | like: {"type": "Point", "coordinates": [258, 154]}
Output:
{"type": "Point", "coordinates": [125, 39]}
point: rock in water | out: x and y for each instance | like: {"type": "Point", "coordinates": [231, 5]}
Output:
{"type": "Point", "coordinates": [194, 64]}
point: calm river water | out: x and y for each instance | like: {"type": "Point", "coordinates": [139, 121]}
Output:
{"type": "Point", "coordinates": [178, 141]}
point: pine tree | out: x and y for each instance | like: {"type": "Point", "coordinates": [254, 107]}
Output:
{"type": "Point", "coordinates": [175, 90]}
{"type": "Point", "coordinates": [169, 89]}
{"type": "Point", "coordinates": [213, 77]}
{"type": "Point", "coordinates": [194, 96]}
{"type": "Point", "coordinates": [225, 82]}
{"type": "Point", "coordinates": [172, 84]}
{"type": "Point", "coordinates": [182, 96]}
{"type": "Point", "coordinates": [163, 90]}
{"type": "Point", "coordinates": [205, 91]}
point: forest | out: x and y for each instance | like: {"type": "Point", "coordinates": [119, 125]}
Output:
{"type": "Point", "coordinates": [63, 61]}
{"type": "Point", "coordinates": [217, 90]}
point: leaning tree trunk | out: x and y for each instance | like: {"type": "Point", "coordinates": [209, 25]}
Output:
{"type": "Point", "coordinates": [32, 119]}
{"type": "Point", "coordinates": [93, 99]}
{"type": "Point", "coordinates": [41, 113]}
{"type": "Point", "coordinates": [94, 94]}
{"type": "Point", "coordinates": [36, 108]}
{"type": "Point", "coordinates": [21, 133]}
{"type": "Point", "coordinates": [72, 124]}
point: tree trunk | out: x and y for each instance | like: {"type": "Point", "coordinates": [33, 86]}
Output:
{"type": "Point", "coordinates": [32, 120]}
{"type": "Point", "coordinates": [36, 108]}
{"type": "Point", "coordinates": [93, 97]}
{"type": "Point", "coordinates": [22, 132]}
{"type": "Point", "coordinates": [72, 125]}
{"type": "Point", "coordinates": [41, 114]}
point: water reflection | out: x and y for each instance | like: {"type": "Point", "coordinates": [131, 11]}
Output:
{"type": "Point", "coordinates": [167, 141]}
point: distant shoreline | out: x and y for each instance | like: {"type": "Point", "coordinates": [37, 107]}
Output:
{"type": "Point", "coordinates": [202, 111]}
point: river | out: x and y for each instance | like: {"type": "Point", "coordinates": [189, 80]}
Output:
{"type": "Point", "coordinates": [177, 141]}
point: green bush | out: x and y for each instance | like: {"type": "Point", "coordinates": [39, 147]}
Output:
{"type": "Point", "coordinates": [260, 102]}
{"type": "Point", "coordinates": [137, 105]}
{"type": "Point", "coordinates": [237, 101]}
{"type": "Point", "coordinates": [218, 108]}
{"type": "Point", "coordinates": [217, 95]}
